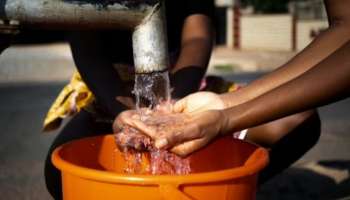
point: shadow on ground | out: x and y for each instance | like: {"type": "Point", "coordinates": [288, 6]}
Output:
{"type": "Point", "coordinates": [324, 180]}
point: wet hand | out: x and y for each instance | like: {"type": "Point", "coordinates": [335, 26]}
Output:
{"type": "Point", "coordinates": [182, 133]}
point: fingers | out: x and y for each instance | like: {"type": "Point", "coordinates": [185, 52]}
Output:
{"type": "Point", "coordinates": [189, 147]}
{"type": "Point", "coordinates": [121, 120]}
{"type": "Point", "coordinates": [132, 118]}
{"type": "Point", "coordinates": [170, 130]}
{"type": "Point", "coordinates": [180, 106]}
{"type": "Point", "coordinates": [129, 118]}
{"type": "Point", "coordinates": [161, 143]}
{"type": "Point", "coordinates": [181, 134]}
{"type": "Point", "coordinates": [142, 127]}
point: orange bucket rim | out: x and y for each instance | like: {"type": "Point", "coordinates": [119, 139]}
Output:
{"type": "Point", "coordinates": [249, 168]}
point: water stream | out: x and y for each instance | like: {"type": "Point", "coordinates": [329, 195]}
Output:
{"type": "Point", "coordinates": [151, 89]}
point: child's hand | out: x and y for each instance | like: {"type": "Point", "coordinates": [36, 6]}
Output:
{"type": "Point", "coordinates": [201, 128]}
{"type": "Point", "coordinates": [180, 132]}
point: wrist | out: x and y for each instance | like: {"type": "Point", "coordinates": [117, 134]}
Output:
{"type": "Point", "coordinates": [235, 119]}
{"type": "Point", "coordinates": [225, 99]}
{"type": "Point", "coordinates": [186, 81]}
{"type": "Point", "coordinates": [235, 98]}
{"type": "Point", "coordinates": [225, 122]}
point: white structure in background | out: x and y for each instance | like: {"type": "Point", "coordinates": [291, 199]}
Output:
{"type": "Point", "coordinates": [307, 30]}
{"type": "Point", "coordinates": [266, 32]}
{"type": "Point", "coordinates": [224, 3]}
{"type": "Point", "coordinates": [312, 19]}
{"type": "Point", "coordinates": [308, 10]}
{"type": "Point", "coordinates": [276, 32]}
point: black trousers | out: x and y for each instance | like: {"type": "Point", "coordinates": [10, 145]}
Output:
{"type": "Point", "coordinates": [292, 147]}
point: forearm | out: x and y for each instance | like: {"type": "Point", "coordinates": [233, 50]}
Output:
{"type": "Point", "coordinates": [326, 43]}
{"type": "Point", "coordinates": [194, 52]}
{"type": "Point", "coordinates": [327, 82]}
{"type": "Point", "coordinates": [196, 42]}
{"type": "Point", "coordinates": [196, 47]}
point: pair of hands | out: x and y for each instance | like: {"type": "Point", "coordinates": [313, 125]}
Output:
{"type": "Point", "coordinates": [194, 122]}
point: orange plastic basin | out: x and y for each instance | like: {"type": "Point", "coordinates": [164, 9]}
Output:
{"type": "Point", "coordinates": [225, 169]}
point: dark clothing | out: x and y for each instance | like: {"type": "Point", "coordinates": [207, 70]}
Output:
{"type": "Point", "coordinates": [292, 147]}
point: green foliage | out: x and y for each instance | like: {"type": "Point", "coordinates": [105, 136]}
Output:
{"type": "Point", "coordinates": [225, 67]}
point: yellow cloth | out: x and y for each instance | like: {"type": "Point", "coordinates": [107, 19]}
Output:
{"type": "Point", "coordinates": [233, 87]}
{"type": "Point", "coordinates": [74, 96]}
{"type": "Point", "coordinates": [219, 85]}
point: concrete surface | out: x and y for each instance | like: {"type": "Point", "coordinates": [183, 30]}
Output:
{"type": "Point", "coordinates": [39, 63]}
{"type": "Point", "coordinates": [323, 173]}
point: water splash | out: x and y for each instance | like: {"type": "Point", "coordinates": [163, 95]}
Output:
{"type": "Point", "coordinates": [153, 97]}
{"type": "Point", "coordinates": [151, 89]}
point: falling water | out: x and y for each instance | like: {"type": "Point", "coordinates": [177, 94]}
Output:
{"type": "Point", "coordinates": [151, 89]}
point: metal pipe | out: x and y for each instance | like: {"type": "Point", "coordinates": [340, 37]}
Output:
{"type": "Point", "coordinates": [150, 43]}
{"type": "Point", "coordinates": [145, 17]}
{"type": "Point", "coordinates": [76, 14]}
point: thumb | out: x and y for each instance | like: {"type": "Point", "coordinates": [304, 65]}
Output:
{"type": "Point", "coordinates": [180, 105]}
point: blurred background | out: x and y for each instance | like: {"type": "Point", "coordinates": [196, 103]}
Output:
{"type": "Point", "coordinates": [253, 37]}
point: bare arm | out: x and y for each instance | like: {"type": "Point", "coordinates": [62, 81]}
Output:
{"type": "Point", "coordinates": [196, 47]}
{"type": "Point", "coordinates": [327, 82]}
{"type": "Point", "coordinates": [326, 43]}
{"type": "Point", "coordinates": [318, 75]}
{"type": "Point", "coordinates": [196, 42]}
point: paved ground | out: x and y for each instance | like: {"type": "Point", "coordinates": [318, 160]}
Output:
{"type": "Point", "coordinates": [39, 63]}
{"type": "Point", "coordinates": [321, 174]}
{"type": "Point", "coordinates": [23, 147]}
